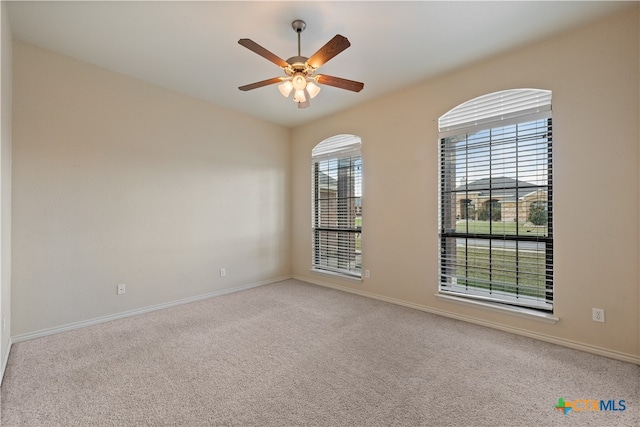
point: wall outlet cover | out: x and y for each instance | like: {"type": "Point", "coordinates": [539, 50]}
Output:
{"type": "Point", "coordinates": [598, 314]}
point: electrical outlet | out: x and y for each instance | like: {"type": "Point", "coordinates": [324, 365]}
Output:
{"type": "Point", "coordinates": [121, 289]}
{"type": "Point", "coordinates": [367, 274]}
{"type": "Point", "coordinates": [598, 314]}
{"type": "Point", "coordinates": [223, 272]}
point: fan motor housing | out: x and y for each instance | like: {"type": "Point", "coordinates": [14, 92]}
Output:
{"type": "Point", "coordinates": [298, 62]}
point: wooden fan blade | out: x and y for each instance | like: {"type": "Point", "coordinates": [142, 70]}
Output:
{"type": "Point", "coordinates": [256, 85]}
{"type": "Point", "coordinates": [329, 50]}
{"type": "Point", "coordinates": [340, 83]}
{"type": "Point", "coordinates": [255, 47]}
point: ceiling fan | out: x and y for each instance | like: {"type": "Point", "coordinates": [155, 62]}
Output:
{"type": "Point", "coordinates": [299, 70]}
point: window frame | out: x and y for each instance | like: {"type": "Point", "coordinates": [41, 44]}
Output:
{"type": "Point", "coordinates": [336, 248]}
{"type": "Point", "coordinates": [448, 284]}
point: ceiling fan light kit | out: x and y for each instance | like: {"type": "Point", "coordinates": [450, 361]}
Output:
{"type": "Point", "coordinates": [300, 70]}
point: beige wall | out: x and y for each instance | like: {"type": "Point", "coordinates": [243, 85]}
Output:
{"type": "Point", "coordinates": [594, 75]}
{"type": "Point", "coordinates": [5, 189]}
{"type": "Point", "coordinates": [120, 181]}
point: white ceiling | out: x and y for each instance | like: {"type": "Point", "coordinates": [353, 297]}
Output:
{"type": "Point", "coordinates": [191, 47]}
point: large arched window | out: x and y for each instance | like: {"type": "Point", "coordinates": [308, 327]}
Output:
{"type": "Point", "coordinates": [337, 205]}
{"type": "Point", "coordinates": [495, 151]}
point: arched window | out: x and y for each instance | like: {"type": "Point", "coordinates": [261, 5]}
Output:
{"type": "Point", "coordinates": [337, 205]}
{"type": "Point", "coordinates": [496, 150]}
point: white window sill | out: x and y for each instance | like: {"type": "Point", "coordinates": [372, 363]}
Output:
{"type": "Point", "coordinates": [337, 275]}
{"type": "Point", "coordinates": [516, 311]}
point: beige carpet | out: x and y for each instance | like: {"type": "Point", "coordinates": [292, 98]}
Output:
{"type": "Point", "coordinates": [295, 354]}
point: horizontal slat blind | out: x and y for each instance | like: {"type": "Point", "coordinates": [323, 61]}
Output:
{"type": "Point", "coordinates": [495, 107]}
{"type": "Point", "coordinates": [336, 146]}
{"type": "Point", "coordinates": [496, 214]}
{"type": "Point", "coordinates": [337, 183]}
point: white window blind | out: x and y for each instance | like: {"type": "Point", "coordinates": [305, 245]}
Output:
{"type": "Point", "coordinates": [336, 146]}
{"type": "Point", "coordinates": [337, 205]}
{"type": "Point", "coordinates": [506, 106]}
{"type": "Point", "coordinates": [496, 202]}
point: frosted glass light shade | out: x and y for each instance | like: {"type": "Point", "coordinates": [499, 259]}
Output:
{"type": "Point", "coordinates": [313, 89]}
{"type": "Point", "coordinates": [299, 81]}
{"type": "Point", "coordinates": [285, 88]}
{"type": "Point", "coordinates": [299, 96]}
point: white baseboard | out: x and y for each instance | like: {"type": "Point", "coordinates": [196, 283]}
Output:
{"type": "Point", "coordinates": [5, 360]}
{"type": "Point", "coordinates": [97, 320]}
{"type": "Point", "coordinates": [624, 357]}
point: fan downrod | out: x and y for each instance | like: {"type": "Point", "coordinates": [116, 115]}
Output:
{"type": "Point", "coordinates": [298, 26]}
